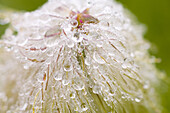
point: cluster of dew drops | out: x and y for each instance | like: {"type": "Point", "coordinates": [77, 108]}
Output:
{"type": "Point", "coordinates": [73, 48]}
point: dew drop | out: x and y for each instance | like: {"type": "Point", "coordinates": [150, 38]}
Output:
{"type": "Point", "coordinates": [76, 108]}
{"type": "Point", "coordinates": [74, 22]}
{"type": "Point", "coordinates": [8, 48]}
{"type": "Point", "coordinates": [24, 107]}
{"type": "Point", "coordinates": [77, 38]}
{"type": "Point", "coordinates": [124, 66]}
{"type": "Point", "coordinates": [78, 84]}
{"type": "Point", "coordinates": [68, 67]}
{"type": "Point", "coordinates": [51, 36]}
{"type": "Point", "coordinates": [112, 93]}
{"type": "Point", "coordinates": [87, 61]}
{"type": "Point", "coordinates": [58, 76]}
{"type": "Point", "coordinates": [26, 66]}
{"type": "Point", "coordinates": [49, 53]}
{"type": "Point", "coordinates": [137, 99]}
{"type": "Point", "coordinates": [146, 85]}
{"type": "Point", "coordinates": [107, 10]}
{"type": "Point", "coordinates": [70, 43]}
{"type": "Point", "coordinates": [96, 89]}
{"type": "Point", "coordinates": [98, 58]}
{"type": "Point", "coordinates": [65, 82]}
{"type": "Point", "coordinates": [24, 42]}
{"type": "Point", "coordinates": [99, 43]}
{"type": "Point", "coordinates": [84, 107]}
{"type": "Point", "coordinates": [72, 95]}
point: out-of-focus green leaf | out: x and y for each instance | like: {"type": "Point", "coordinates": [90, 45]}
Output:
{"type": "Point", "coordinates": [26, 5]}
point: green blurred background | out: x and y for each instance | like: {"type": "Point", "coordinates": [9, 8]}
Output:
{"type": "Point", "coordinates": [155, 14]}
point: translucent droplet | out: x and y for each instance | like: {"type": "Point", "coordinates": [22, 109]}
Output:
{"type": "Point", "coordinates": [96, 89]}
{"type": "Point", "coordinates": [146, 85]}
{"type": "Point", "coordinates": [65, 82]}
{"type": "Point", "coordinates": [124, 66]}
{"type": "Point", "coordinates": [51, 37]}
{"type": "Point", "coordinates": [137, 99]}
{"type": "Point", "coordinates": [72, 95]}
{"type": "Point", "coordinates": [99, 43]}
{"type": "Point", "coordinates": [58, 76]}
{"type": "Point", "coordinates": [23, 43]}
{"type": "Point", "coordinates": [24, 107]}
{"type": "Point", "coordinates": [26, 66]}
{"type": "Point", "coordinates": [49, 53]}
{"type": "Point", "coordinates": [84, 107]}
{"type": "Point", "coordinates": [112, 93]}
{"type": "Point", "coordinates": [74, 22]}
{"type": "Point", "coordinates": [106, 98]}
{"type": "Point", "coordinates": [68, 67]}
{"type": "Point", "coordinates": [95, 65]}
{"type": "Point", "coordinates": [107, 10]}
{"type": "Point", "coordinates": [70, 43]}
{"type": "Point", "coordinates": [76, 109]}
{"type": "Point", "coordinates": [77, 38]}
{"type": "Point", "coordinates": [50, 42]}
{"type": "Point", "coordinates": [98, 58]}
{"type": "Point", "coordinates": [78, 84]}
{"type": "Point", "coordinates": [87, 61]}
{"type": "Point", "coordinates": [8, 48]}
{"type": "Point", "coordinates": [123, 95]}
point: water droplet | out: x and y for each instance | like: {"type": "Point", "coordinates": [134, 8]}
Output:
{"type": "Point", "coordinates": [68, 67]}
{"type": "Point", "coordinates": [76, 109]}
{"type": "Point", "coordinates": [96, 89]}
{"type": "Point", "coordinates": [65, 82]}
{"type": "Point", "coordinates": [78, 84]}
{"type": "Point", "coordinates": [77, 38]}
{"type": "Point", "coordinates": [70, 43]}
{"type": "Point", "coordinates": [112, 92]}
{"type": "Point", "coordinates": [107, 10]}
{"type": "Point", "coordinates": [26, 66]}
{"type": "Point", "coordinates": [137, 99]}
{"type": "Point", "coordinates": [24, 107]}
{"type": "Point", "coordinates": [87, 61]}
{"type": "Point", "coordinates": [58, 76]}
{"type": "Point", "coordinates": [49, 53]}
{"type": "Point", "coordinates": [74, 22]}
{"type": "Point", "coordinates": [84, 107]}
{"type": "Point", "coordinates": [8, 48]}
{"type": "Point", "coordinates": [23, 43]}
{"type": "Point", "coordinates": [123, 95]}
{"type": "Point", "coordinates": [72, 95]}
{"type": "Point", "coordinates": [99, 43]}
{"type": "Point", "coordinates": [52, 36]}
{"type": "Point", "coordinates": [98, 58]}
{"type": "Point", "coordinates": [106, 98]}
{"type": "Point", "coordinates": [146, 85]}
{"type": "Point", "coordinates": [124, 66]}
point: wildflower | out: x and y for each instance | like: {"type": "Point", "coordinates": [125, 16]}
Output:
{"type": "Point", "coordinates": [77, 56]}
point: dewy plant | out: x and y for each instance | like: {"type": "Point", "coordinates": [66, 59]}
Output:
{"type": "Point", "coordinates": [73, 56]}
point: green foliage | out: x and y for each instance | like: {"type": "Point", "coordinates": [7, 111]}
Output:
{"type": "Point", "coordinates": [154, 14]}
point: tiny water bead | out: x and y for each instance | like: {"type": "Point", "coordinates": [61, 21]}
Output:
{"type": "Point", "coordinates": [84, 107]}
{"type": "Point", "coordinates": [58, 76]}
{"type": "Point", "coordinates": [70, 43]}
{"type": "Point", "coordinates": [99, 59]}
{"type": "Point", "coordinates": [68, 67]}
{"type": "Point", "coordinates": [74, 22]}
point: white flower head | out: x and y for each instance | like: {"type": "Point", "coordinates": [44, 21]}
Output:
{"type": "Point", "coordinates": [79, 56]}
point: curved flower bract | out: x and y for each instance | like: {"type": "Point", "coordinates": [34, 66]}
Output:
{"type": "Point", "coordinates": [78, 56]}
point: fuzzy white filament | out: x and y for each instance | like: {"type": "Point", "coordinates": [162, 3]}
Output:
{"type": "Point", "coordinates": [76, 56]}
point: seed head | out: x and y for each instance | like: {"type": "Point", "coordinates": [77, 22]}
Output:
{"type": "Point", "coordinates": [77, 56]}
